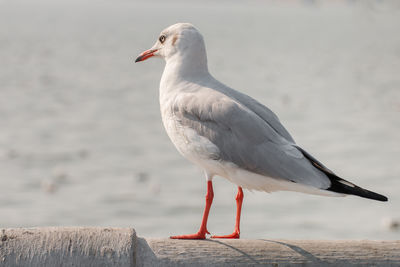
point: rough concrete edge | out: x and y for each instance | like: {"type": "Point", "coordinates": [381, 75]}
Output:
{"type": "Point", "coordinates": [130, 235]}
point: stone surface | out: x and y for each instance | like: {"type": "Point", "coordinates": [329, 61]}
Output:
{"type": "Point", "coordinates": [74, 246]}
{"type": "Point", "coordinates": [167, 252]}
{"type": "Point", "coordinates": [80, 246]}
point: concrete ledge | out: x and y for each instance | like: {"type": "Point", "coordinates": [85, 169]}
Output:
{"type": "Point", "coordinates": [75, 246]}
{"type": "Point", "coordinates": [120, 247]}
{"type": "Point", "coordinates": [167, 252]}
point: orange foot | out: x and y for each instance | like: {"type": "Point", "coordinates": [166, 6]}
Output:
{"type": "Point", "coordinates": [198, 235]}
{"type": "Point", "coordinates": [234, 235]}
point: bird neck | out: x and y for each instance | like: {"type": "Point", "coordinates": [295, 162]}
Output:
{"type": "Point", "coordinates": [181, 71]}
{"type": "Point", "coordinates": [189, 63]}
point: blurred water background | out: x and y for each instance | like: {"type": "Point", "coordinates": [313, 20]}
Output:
{"type": "Point", "coordinates": [81, 138]}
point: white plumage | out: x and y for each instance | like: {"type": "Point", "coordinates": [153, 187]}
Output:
{"type": "Point", "coordinates": [228, 133]}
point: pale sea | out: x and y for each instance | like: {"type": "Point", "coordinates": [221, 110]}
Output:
{"type": "Point", "coordinates": [81, 138]}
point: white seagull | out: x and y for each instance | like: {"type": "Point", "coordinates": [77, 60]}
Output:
{"type": "Point", "coordinates": [230, 134]}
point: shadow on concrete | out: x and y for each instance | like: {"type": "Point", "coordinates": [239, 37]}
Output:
{"type": "Point", "coordinates": [144, 254]}
{"type": "Point", "coordinates": [307, 255]}
{"type": "Point", "coordinates": [236, 249]}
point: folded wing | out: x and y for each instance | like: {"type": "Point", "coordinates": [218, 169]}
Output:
{"type": "Point", "coordinates": [245, 138]}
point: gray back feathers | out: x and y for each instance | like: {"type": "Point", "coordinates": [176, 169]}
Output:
{"type": "Point", "coordinates": [246, 133]}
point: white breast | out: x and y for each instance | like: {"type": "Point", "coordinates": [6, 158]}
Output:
{"type": "Point", "coordinates": [190, 144]}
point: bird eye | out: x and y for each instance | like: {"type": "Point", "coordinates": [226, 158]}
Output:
{"type": "Point", "coordinates": [162, 38]}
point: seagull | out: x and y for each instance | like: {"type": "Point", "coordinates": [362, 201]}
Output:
{"type": "Point", "coordinates": [229, 134]}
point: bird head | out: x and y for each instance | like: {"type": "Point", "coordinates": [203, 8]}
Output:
{"type": "Point", "coordinates": [181, 40]}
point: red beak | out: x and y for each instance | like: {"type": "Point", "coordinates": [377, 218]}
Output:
{"type": "Point", "coordinates": [145, 55]}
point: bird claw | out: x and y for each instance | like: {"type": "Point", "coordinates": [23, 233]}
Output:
{"type": "Point", "coordinates": [234, 235]}
{"type": "Point", "coordinates": [192, 236]}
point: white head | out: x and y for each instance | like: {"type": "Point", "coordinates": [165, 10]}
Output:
{"type": "Point", "coordinates": [180, 45]}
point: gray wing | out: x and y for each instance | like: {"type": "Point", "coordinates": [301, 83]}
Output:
{"type": "Point", "coordinates": [262, 111]}
{"type": "Point", "coordinates": [256, 143]}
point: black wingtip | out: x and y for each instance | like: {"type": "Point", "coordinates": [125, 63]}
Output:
{"type": "Point", "coordinates": [384, 199]}
{"type": "Point", "coordinates": [340, 185]}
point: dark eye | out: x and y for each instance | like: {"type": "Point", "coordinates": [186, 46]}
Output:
{"type": "Point", "coordinates": [162, 38]}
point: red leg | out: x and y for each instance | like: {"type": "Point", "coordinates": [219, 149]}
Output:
{"type": "Point", "coordinates": [236, 232]}
{"type": "Point", "coordinates": [201, 234]}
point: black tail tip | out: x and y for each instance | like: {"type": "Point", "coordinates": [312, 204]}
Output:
{"type": "Point", "coordinates": [340, 185]}
{"type": "Point", "coordinates": [381, 198]}
{"type": "Point", "coordinates": [371, 195]}
{"type": "Point", "coordinates": [361, 192]}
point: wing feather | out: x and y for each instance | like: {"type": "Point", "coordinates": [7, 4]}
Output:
{"type": "Point", "coordinates": [247, 139]}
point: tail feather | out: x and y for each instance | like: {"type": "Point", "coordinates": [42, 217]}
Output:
{"type": "Point", "coordinates": [340, 185]}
